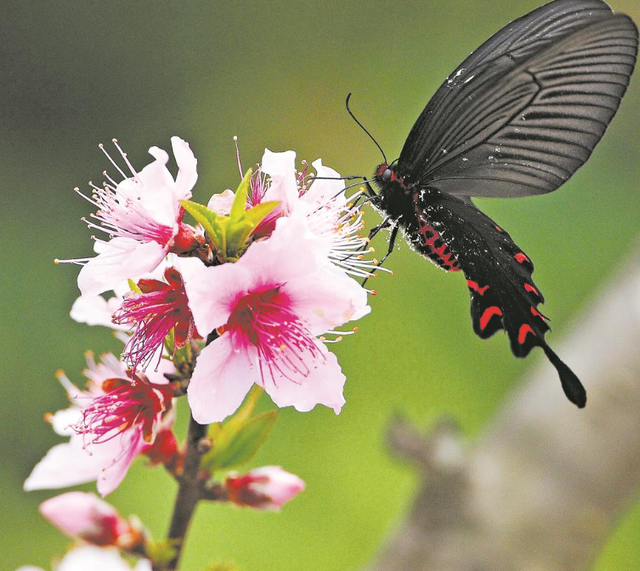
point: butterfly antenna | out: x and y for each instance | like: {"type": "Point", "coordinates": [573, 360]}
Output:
{"type": "Point", "coordinates": [364, 128]}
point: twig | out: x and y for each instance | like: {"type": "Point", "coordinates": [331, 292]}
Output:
{"type": "Point", "coordinates": [189, 491]}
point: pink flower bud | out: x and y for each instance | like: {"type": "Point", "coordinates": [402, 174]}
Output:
{"type": "Point", "coordinates": [265, 488]}
{"type": "Point", "coordinates": [85, 516]}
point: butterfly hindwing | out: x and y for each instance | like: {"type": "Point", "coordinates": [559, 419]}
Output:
{"type": "Point", "coordinates": [498, 273]}
{"type": "Point", "coordinates": [524, 111]}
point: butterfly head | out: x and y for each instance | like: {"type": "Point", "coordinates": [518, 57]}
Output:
{"type": "Point", "coordinates": [386, 177]}
{"type": "Point", "coordinates": [384, 174]}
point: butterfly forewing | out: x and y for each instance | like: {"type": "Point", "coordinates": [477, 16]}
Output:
{"type": "Point", "coordinates": [525, 110]}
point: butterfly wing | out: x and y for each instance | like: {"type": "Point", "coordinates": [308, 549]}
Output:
{"type": "Point", "coordinates": [522, 113]}
{"type": "Point", "coordinates": [498, 273]}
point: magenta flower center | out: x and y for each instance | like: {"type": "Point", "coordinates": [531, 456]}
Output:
{"type": "Point", "coordinates": [153, 313]}
{"type": "Point", "coordinates": [126, 405]}
{"type": "Point", "coordinates": [266, 320]}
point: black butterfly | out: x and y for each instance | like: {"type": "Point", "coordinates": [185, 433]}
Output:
{"type": "Point", "coordinates": [518, 117]}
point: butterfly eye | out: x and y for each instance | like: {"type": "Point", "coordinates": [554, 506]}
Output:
{"type": "Point", "coordinates": [386, 175]}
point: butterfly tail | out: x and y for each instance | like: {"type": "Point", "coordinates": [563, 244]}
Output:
{"type": "Point", "coordinates": [571, 385]}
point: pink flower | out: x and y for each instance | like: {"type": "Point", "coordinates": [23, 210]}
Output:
{"type": "Point", "coordinates": [116, 419]}
{"type": "Point", "coordinates": [96, 310]}
{"type": "Point", "coordinates": [268, 309]}
{"type": "Point", "coordinates": [329, 213]}
{"type": "Point", "coordinates": [94, 559]}
{"type": "Point", "coordinates": [159, 308]}
{"type": "Point", "coordinates": [266, 488]}
{"type": "Point", "coordinates": [143, 217]}
{"type": "Point", "coordinates": [84, 516]}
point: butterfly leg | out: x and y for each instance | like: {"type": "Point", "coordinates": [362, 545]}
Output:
{"type": "Point", "coordinates": [392, 241]}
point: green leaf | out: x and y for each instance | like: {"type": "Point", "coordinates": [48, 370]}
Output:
{"type": "Point", "coordinates": [240, 200]}
{"type": "Point", "coordinates": [229, 235]}
{"type": "Point", "coordinates": [214, 225]}
{"type": "Point", "coordinates": [244, 412]}
{"type": "Point", "coordinates": [240, 230]}
{"type": "Point", "coordinates": [133, 286]}
{"type": "Point", "coordinates": [237, 444]}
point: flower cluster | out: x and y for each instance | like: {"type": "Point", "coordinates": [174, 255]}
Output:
{"type": "Point", "coordinates": [250, 293]}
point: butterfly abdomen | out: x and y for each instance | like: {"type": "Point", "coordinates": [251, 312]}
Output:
{"type": "Point", "coordinates": [429, 242]}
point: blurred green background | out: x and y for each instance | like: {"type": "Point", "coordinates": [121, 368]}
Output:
{"type": "Point", "coordinates": [75, 73]}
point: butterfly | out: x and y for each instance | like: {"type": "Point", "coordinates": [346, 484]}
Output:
{"type": "Point", "coordinates": [517, 118]}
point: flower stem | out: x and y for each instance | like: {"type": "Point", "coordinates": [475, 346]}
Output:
{"type": "Point", "coordinates": [189, 491]}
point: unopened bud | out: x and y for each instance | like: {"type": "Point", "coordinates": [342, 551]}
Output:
{"type": "Point", "coordinates": [84, 516]}
{"type": "Point", "coordinates": [266, 488]}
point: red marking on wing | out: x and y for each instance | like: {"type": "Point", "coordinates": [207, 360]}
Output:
{"type": "Point", "coordinates": [535, 312]}
{"type": "Point", "coordinates": [475, 286]}
{"type": "Point", "coordinates": [499, 229]}
{"type": "Point", "coordinates": [488, 314]}
{"type": "Point", "coordinates": [522, 334]}
{"type": "Point", "coordinates": [531, 289]}
{"type": "Point", "coordinates": [520, 258]}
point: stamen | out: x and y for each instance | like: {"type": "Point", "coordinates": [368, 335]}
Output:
{"type": "Point", "coordinates": [126, 160]}
{"type": "Point", "coordinates": [235, 142]}
{"type": "Point", "coordinates": [101, 147]}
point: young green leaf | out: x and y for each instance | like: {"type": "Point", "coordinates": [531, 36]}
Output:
{"type": "Point", "coordinates": [232, 448]}
{"type": "Point", "coordinates": [240, 200]}
{"type": "Point", "coordinates": [214, 225]}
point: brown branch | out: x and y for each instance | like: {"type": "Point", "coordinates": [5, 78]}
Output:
{"type": "Point", "coordinates": [546, 483]}
{"type": "Point", "coordinates": [189, 490]}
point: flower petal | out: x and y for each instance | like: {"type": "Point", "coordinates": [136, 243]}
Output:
{"type": "Point", "coordinates": [120, 452]}
{"type": "Point", "coordinates": [281, 168]}
{"type": "Point", "coordinates": [64, 465]}
{"type": "Point", "coordinates": [96, 310]}
{"type": "Point", "coordinates": [94, 558]}
{"type": "Point", "coordinates": [221, 202]}
{"type": "Point", "coordinates": [120, 258]}
{"type": "Point", "coordinates": [323, 191]}
{"type": "Point", "coordinates": [63, 420]}
{"type": "Point", "coordinates": [187, 168]}
{"type": "Point", "coordinates": [220, 381]}
{"type": "Point", "coordinates": [327, 299]}
{"type": "Point", "coordinates": [323, 385]}
{"type": "Point", "coordinates": [213, 291]}
{"type": "Point", "coordinates": [289, 254]}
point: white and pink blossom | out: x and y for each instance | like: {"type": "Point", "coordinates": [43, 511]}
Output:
{"type": "Point", "coordinates": [117, 418]}
{"type": "Point", "coordinates": [84, 516]}
{"type": "Point", "coordinates": [142, 216]}
{"type": "Point", "coordinates": [95, 559]}
{"type": "Point", "coordinates": [319, 199]}
{"type": "Point", "coordinates": [269, 309]}
{"type": "Point", "coordinates": [266, 488]}
{"type": "Point", "coordinates": [96, 310]}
